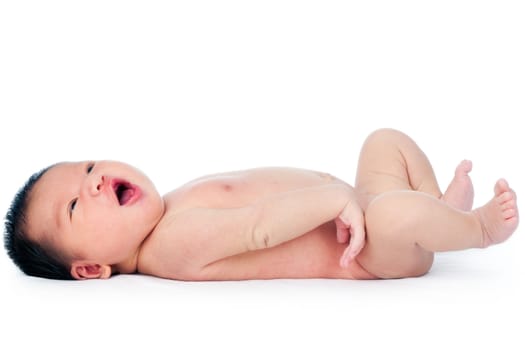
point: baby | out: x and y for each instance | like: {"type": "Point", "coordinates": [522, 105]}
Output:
{"type": "Point", "coordinates": [96, 219]}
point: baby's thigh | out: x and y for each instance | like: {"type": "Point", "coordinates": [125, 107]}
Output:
{"type": "Point", "coordinates": [375, 187]}
{"type": "Point", "coordinates": [387, 259]}
{"type": "Point", "coordinates": [390, 250]}
{"type": "Point", "coordinates": [391, 161]}
{"type": "Point", "coordinates": [381, 167]}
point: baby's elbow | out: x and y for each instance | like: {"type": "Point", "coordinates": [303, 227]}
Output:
{"type": "Point", "coordinates": [258, 236]}
{"type": "Point", "coordinates": [260, 239]}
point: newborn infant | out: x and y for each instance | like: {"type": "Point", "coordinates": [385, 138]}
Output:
{"type": "Point", "coordinates": [95, 219]}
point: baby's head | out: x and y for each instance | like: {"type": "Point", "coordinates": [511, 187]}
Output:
{"type": "Point", "coordinates": [82, 220]}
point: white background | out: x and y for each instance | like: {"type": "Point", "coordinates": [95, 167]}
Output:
{"type": "Point", "coordinates": [183, 89]}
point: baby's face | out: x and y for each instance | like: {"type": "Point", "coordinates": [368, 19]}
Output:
{"type": "Point", "coordinates": [96, 211]}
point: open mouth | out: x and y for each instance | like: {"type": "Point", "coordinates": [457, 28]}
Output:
{"type": "Point", "coordinates": [124, 191]}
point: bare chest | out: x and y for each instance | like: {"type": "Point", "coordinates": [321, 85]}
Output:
{"type": "Point", "coordinates": [240, 188]}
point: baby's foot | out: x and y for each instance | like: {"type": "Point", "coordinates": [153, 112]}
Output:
{"type": "Point", "coordinates": [460, 192]}
{"type": "Point", "coordinates": [499, 217]}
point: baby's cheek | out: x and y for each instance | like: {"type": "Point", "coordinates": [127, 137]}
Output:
{"type": "Point", "coordinates": [152, 213]}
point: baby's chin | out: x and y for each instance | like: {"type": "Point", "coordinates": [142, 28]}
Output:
{"type": "Point", "coordinates": [151, 209]}
{"type": "Point", "coordinates": [159, 207]}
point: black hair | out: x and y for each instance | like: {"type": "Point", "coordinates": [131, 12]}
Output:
{"type": "Point", "coordinates": [33, 258]}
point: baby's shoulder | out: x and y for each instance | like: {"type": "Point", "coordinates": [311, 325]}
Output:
{"type": "Point", "coordinates": [164, 253]}
{"type": "Point", "coordinates": [185, 242]}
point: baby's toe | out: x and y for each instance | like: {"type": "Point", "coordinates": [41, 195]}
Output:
{"type": "Point", "coordinates": [509, 213]}
{"type": "Point", "coordinates": [501, 186]}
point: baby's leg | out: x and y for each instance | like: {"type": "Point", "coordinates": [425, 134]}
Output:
{"type": "Point", "coordinates": [404, 227]}
{"type": "Point", "coordinates": [390, 160]}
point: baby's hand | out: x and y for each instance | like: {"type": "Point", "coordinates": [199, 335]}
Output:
{"type": "Point", "coordinates": [350, 227]}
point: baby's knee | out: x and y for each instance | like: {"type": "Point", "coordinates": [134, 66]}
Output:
{"type": "Point", "coordinates": [385, 135]}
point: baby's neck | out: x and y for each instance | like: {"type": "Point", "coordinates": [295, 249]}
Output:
{"type": "Point", "coordinates": [131, 264]}
{"type": "Point", "coordinates": [128, 266]}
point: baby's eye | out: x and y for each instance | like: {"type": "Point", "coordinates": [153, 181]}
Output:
{"type": "Point", "coordinates": [90, 167]}
{"type": "Point", "coordinates": [72, 206]}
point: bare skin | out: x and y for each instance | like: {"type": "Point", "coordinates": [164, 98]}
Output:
{"type": "Point", "coordinates": [407, 219]}
{"type": "Point", "coordinates": [396, 178]}
{"type": "Point", "coordinates": [223, 201]}
{"type": "Point", "coordinates": [107, 217]}
{"type": "Point", "coordinates": [460, 192]}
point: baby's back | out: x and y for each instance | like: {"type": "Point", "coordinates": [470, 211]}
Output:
{"type": "Point", "coordinates": [313, 255]}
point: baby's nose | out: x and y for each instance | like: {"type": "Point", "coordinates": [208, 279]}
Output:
{"type": "Point", "coordinates": [97, 185]}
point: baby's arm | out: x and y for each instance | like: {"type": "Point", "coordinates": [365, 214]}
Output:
{"type": "Point", "coordinates": [210, 234]}
{"type": "Point", "coordinates": [288, 215]}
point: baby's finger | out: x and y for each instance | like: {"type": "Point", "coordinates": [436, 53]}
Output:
{"type": "Point", "coordinates": [357, 242]}
{"type": "Point", "coordinates": [342, 231]}
{"type": "Point", "coordinates": [344, 261]}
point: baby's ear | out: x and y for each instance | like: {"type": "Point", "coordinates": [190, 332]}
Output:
{"type": "Point", "coordinates": [83, 270]}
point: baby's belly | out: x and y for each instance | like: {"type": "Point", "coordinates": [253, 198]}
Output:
{"type": "Point", "coordinates": [313, 255]}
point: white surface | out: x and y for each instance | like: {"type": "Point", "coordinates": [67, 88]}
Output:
{"type": "Point", "coordinates": [182, 90]}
